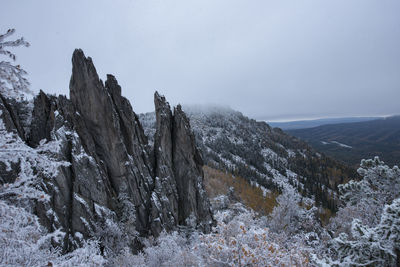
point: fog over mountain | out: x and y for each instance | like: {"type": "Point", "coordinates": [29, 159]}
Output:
{"type": "Point", "coordinates": [268, 59]}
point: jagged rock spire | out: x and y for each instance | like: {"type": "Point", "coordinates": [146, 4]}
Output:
{"type": "Point", "coordinates": [179, 163]}
{"type": "Point", "coordinates": [112, 174]}
{"type": "Point", "coordinates": [117, 135]}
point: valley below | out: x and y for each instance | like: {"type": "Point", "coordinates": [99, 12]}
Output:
{"type": "Point", "coordinates": [352, 142]}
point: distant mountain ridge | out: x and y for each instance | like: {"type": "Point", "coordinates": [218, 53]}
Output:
{"type": "Point", "coordinates": [302, 124]}
{"type": "Point", "coordinates": [351, 142]}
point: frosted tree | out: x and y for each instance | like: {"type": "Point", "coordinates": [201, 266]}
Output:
{"type": "Point", "coordinates": [286, 214]}
{"type": "Point", "coordinates": [380, 184]}
{"type": "Point", "coordinates": [365, 199]}
{"type": "Point", "coordinates": [289, 217]}
{"type": "Point", "coordinates": [389, 228]}
{"type": "Point", "coordinates": [13, 83]}
{"type": "Point", "coordinates": [368, 246]}
{"type": "Point", "coordinates": [372, 237]}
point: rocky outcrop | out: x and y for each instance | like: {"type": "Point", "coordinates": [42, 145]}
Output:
{"type": "Point", "coordinates": [43, 118]}
{"type": "Point", "coordinates": [15, 115]}
{"type": "Point", "coordinates": [165, 184]}
{"type": "Point", "coordinates": [112, 177]}
{"type": "Point", "coordinates": [193, 201]}
{"type": "Point", "coordinates": [178, 167]}
{"type": "Point", "coordinates": [115, 136]}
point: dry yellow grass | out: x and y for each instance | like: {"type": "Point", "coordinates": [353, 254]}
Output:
{"type": "Point", "coordinates": [218, 182]}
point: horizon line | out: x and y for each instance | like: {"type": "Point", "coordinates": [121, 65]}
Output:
{"type": "Point", "coordinates": [326, 118]}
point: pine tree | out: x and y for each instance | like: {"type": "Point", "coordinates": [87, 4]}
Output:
{"type": "Point", "coordinates": [13, 84]}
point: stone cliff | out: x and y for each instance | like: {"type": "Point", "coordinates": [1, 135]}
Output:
{"type": "Point", "coordinates": [113, 176]}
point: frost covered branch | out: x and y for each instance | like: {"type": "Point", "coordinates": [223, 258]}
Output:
{"type": "Point", "coordinates": [13, 84]}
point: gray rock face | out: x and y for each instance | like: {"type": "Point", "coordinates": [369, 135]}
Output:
{"type": "Point", "coordinates": [112, 173]}
{"type": "Point", "coordinates": [178, 168]}
{"type": "Point", "coordinates": [165, 185]}
{"type": "Point", "coordinates": [115, 131]}
{"type": "Point", "coordinates": [193, 201]}
{"type": "Point", "coordinates": [43, 119]}
{"type": "Point", "coordinates": [14, 115]}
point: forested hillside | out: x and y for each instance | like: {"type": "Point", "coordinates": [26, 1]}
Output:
{"type": "Point", "coordinates": [262, 155]}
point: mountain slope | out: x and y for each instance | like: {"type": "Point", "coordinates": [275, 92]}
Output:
{"type": "Point", "coordinates": [351, 142]}
{"type": "Point", "coordinates": [264, 156]}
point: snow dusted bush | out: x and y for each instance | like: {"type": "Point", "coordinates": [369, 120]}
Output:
{"type": "Point", "coordinates": [24, 242]}
{"type": "Point", "coordinates": [169, 249]}
{"type": "Point", "coordinates": [86, 255]}
{"type": "Point", "coordinates": [125, 259]}
{"type": "Point", "coordinates": [34, 164]}
{"type": "Point", "coordinates": [22, 239]}
{"type": "Point", "coordinates": [244, 240]}
{"type": "Point", "coordinates": [239, 239]}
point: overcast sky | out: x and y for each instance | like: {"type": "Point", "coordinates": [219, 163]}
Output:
{"type": "Point", "coordinates": [268, 59]}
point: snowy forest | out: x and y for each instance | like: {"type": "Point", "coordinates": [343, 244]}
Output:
{"type": "Point", "coordinates": [362, 228]}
